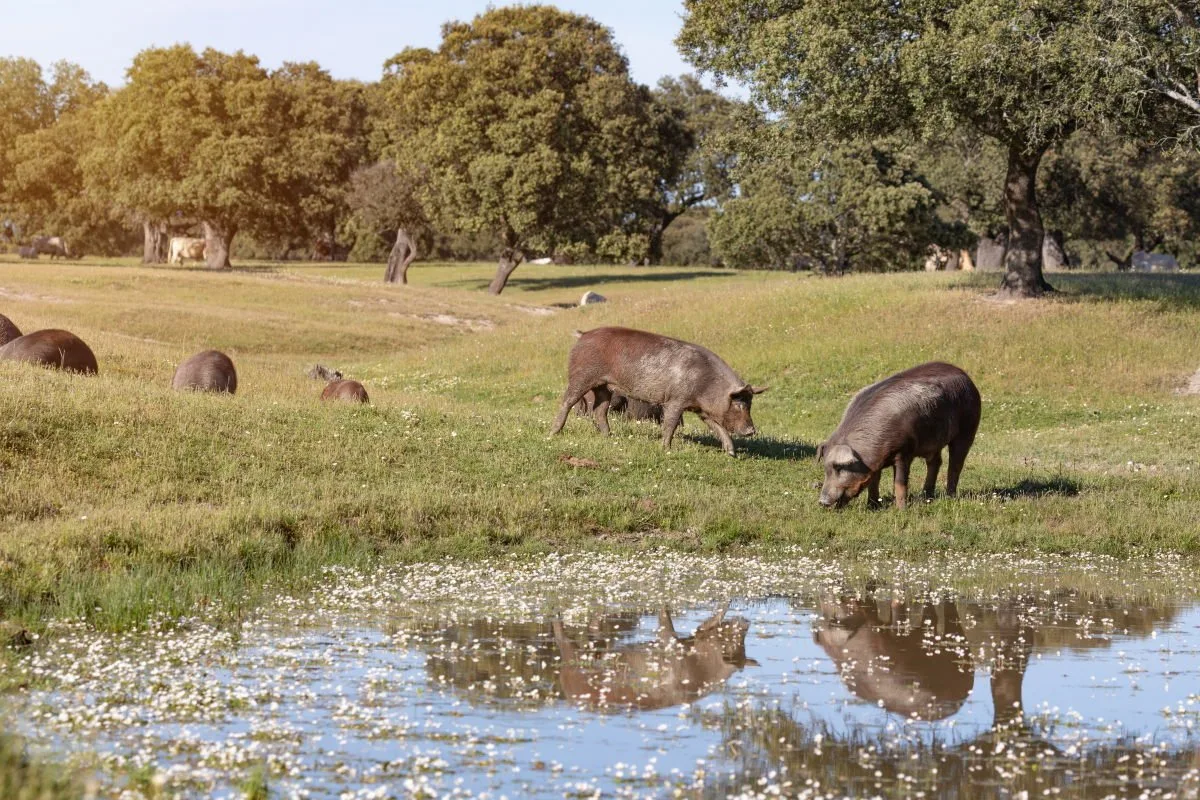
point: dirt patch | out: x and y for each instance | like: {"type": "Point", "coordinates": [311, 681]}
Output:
{"type": "Point", "coordinates": [464, 323]}
{"type": "Point", "coordinates": [11, 294]}
{"type": "Point", "coordinates": [577, 462]}
{"type": "Point", "coordinates": [1192, 386]}
{"type": "Point", "coordinates": [538, 311]}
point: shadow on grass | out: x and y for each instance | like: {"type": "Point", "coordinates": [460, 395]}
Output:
{"type": "Point", "coordinates": [1063, 487]}
{"type": "Point", "coordinates": [761, 447]}
{"type": "Point", "coordinates": [1171, 291]}
{"type": "Point", "coordinates": [577, 281]}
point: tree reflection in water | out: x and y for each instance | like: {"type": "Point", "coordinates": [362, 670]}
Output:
{"type": "Point", "coordinates": [923, 670]}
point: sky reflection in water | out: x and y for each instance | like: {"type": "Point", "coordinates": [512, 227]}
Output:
{"type": "Point", "coordinates": [849, 689]}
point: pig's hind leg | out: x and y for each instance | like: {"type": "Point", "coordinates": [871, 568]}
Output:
{"type": "Point", "coordinates": [572, 396]}
{"type": "Point", "coordinates": [932, 466]}
{"type": "Point", "coordinates": [600, 408]}
{"type": "Point", "coordinates": [958, 455]}
{"type": "Point", "coordinates": [671, 417]}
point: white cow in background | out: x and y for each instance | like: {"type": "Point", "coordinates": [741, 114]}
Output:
{"type": "Point", "coordinates": [184, 247]}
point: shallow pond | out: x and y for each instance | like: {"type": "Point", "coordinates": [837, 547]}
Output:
{"type": "Point", "coordinates": [659, 675]}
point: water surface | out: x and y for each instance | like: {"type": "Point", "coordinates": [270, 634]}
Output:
{"type": "Point", "coordinates": [655, 676]}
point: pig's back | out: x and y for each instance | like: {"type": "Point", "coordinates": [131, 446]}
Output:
{"type": "Point", "coordinates": [929, 402]}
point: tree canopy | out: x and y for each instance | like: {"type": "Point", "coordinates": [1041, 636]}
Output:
{"type": "Point", "coordinates": [1026, 73]}
{"type": "Point", "coordinates": [529, 125]}
{"type": "Point", "coordinates": [213, 138]}
{"type": "Point", "coordinates": [858, 205]}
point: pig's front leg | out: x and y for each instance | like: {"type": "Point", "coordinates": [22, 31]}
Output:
{"type": "Point", "coordinates": [900, 479]}
{"type": "Point", "coordinates": [722, 434]}
{"type": "Point", "coordinates": [873, 489]}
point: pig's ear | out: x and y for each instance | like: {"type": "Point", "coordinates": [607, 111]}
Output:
{"type": "Point", "coordinates": [758, 389]}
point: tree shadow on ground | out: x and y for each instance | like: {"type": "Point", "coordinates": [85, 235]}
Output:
{"type": "Point", "coordinates": [761, 447]}
{"type": "Point", "coordinates": [1172, 291]}
{"type": "Point", "coordinates": [1032, 488]}
{"type": "Point", "coordinates": [577, 281]}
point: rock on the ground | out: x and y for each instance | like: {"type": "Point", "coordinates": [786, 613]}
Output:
{"type": "Point", "coordinates": [592, 297]}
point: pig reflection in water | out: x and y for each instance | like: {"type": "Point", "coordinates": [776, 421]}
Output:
{"type": "Point", "coordinates": [669, 671]}
{"type": "Point", "coordinates": [909, 670]}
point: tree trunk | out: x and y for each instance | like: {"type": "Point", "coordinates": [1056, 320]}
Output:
{"type": "Point", "coordinates": [657, 231]}
{"type": "Point", "coordinates": [154, 242]}
{"type": "Point", "coordinates": [404, 252]}
{"type": "Point", "coordinates": [1023, 256]}
{"type": "Point", "coordinates": [510, 257]}
{"type": "Point", "coordinates": [217, 241]}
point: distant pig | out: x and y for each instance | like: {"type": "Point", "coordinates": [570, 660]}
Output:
{"type": "Point", "coordinates": [348, 391]}
{"type": "Point", "coordinates": [210, 371]}
{"type": "Point", "coordinates": [677, 375]}
{"type": "Point", "coordinates": [8, 330]}
{"type": "Point", "coordinates": [52, 348]}
{"type": "Point", "coordinates": [912, 414]}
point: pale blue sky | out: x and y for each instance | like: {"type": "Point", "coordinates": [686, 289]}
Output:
{"type": "Point", "coordinates": [350, 38]}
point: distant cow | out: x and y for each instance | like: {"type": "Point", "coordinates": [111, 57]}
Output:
{"type": "Point", "coordinates": [1154, 262]}
{"type": "Point", "coordinates": [53, 246]}
{"type": "Point", "coordinates": [51, 348]}
{"type": "Point", "coordinates": [185, 247]}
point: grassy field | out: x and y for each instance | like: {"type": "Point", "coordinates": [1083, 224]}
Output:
{"type": "Point", "coordinates": [119, 498]}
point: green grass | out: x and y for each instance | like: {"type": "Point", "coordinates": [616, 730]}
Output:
{"type": "Point", "coordinates": [119, 498]}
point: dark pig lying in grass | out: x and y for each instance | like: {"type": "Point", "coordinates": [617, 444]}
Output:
{"type": "Point", "coordinates": [912, 414]}
{"type": "Point", "coordinates": [209, 371]}
{"type": "Point", "coordinates": [632, 408]}
{"type": "Point", "coordinates": [8, 330]}
{"type": "Point", "coordinates": [346, 391]}
{"type": "Point", "coordinates": [52, 348]}
{"type": "Point", "coordinates": [677, 375]}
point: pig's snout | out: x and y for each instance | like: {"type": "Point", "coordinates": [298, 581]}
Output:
{"type": "Point", "coordinates": [749, 430]}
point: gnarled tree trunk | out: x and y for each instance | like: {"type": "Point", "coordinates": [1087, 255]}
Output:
{"type": "Point", "coordinates": [404, 252]}
{"type": "Point", "coordinates": [657, 231]}
{"type": "Point", "coordinates": [1023, 256]}
{"type": "Point", "coordinates": [217, 241]}
{"type": "Point", "coordinates": [154, 242]}
{"type": "Point", "coordinates": [510, 258]}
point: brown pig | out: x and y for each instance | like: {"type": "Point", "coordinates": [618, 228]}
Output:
{"type": "Point", "coordinates": [906, 669]}
{"type": "Point", "coordinates": [52, 348]}
{"type": "Point", "coordinates": [669, 671]}
{"type": "Point", "coordinates": [8, 330]}
{"type": "Point", "coordinates": [679, 376]}
{"type": "Point", "coordinates": [347, 391]}
{"type": "Point", "coordinates": [912, 414]}
{"type": "Point", "coordinates": [209, 371]}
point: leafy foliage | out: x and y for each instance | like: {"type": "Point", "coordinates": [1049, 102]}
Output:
{"type": "Point", "coordinates": [851, 207]}
{"type": "Point", "coordinates": [215, 138]}
{"type": "Point", "coordinates": [1024, 73]}
{"type": "Point", "coordinates": [529, 126]}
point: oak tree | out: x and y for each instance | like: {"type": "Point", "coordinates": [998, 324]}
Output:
{"type": "Point", "coordinates": [528, 125]}
{"type": "Point", "coordinates": [1025, 73]}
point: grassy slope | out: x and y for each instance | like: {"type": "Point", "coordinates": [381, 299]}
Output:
{"type": "Point", "coordinates": [118, 497]}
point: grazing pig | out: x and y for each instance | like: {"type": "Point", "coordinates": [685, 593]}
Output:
{"type": "Point", "coordinates": [347, 391]}
{"type": "Point", "coordinates": [670, 671]}
{"type": "Point", "coordinates": [52, 348]}
{"type": "Point", "coordinates": [8, 331]}
{"type": "Point", "coordinates": [912, 414]}
{"type": "Point", "coordinates": [210, 371]}
{"type": "Point", "coordinates": [677, 375]}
